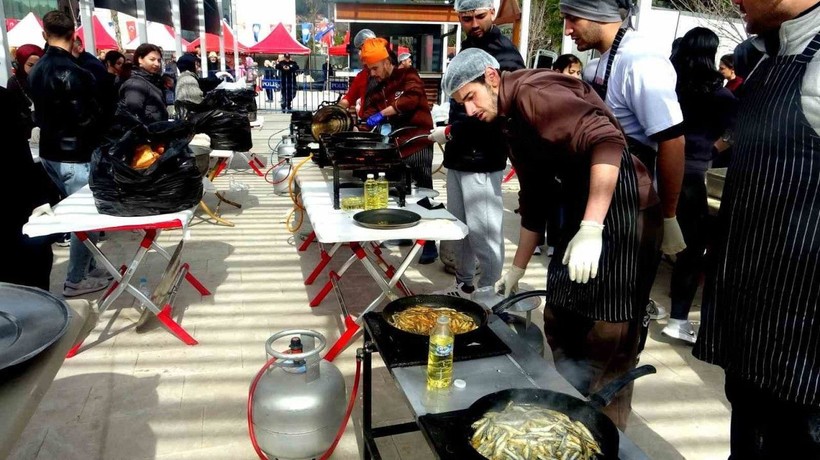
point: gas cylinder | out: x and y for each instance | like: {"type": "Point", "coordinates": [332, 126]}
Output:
{"type": "Point", "coordinates": [299, 402]}
{"type": "Point", "coordinates": [282, 171]}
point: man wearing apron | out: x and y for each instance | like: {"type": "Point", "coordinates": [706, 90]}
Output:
{"type": "Point", "coordinates": [760, 314]}
{"type": "Point", "coordinates": [557, 125]}
{"type": "Point", "coordinates": [637, 82]}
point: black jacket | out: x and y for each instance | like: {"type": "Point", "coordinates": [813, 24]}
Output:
{"type": "Point", "coordinates": [475, 145]}
{"type": "Point", "coordinates": [142, 96]}
{"type": "Point", "coordinates": [18, 89]}
{"type": "Point", "coordinates": [66, 108]}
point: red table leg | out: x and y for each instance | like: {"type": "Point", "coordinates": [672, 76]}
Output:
{"type": "Point", "coordinates": [308, 240]}
{"type": "Point", "coordinates": [508, 176]}
{"type": "Point", "coordinates": [351, 329]}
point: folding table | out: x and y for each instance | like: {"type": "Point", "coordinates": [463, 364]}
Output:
{"type": "Point", "coordinates": [336, 228]}
{"type": "Point", "coordinates": [223, 159]}
{"type": "Point", "coordinates": [78, 214]}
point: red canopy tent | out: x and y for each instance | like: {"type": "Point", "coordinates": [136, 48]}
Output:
{"type": "Point", "coordinates": [279, 41]}
{"type": "Point", "coordinates": [102, 38]}
{"type": "Point", "coordinates": [212, 41]}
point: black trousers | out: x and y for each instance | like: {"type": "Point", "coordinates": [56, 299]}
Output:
{"type": "Point", "coordinates": [764, 427]}
{"type": "Point", "coordinates": [692, 214]}
{"type": "Point", "coordinates": [32, 262]}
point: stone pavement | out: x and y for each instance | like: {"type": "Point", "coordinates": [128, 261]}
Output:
{"type": "Point", "coordinates": [132, 395]}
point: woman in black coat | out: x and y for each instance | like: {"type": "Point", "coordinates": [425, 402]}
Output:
{"type": "Point", "coordinates": [142, 95]}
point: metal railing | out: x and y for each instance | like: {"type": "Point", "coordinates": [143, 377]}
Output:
{"type": "Point", "coordinates": [308, 90]}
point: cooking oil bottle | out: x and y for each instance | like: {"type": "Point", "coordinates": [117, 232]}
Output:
{"type": "Point", "coordinates": [371, 198]}
{"type": "Point", "coordinates": [384, 189]}
{"type": "Point", "coordinates": [440, 359]}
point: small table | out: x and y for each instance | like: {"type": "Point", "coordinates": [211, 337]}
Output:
{"type": "Point", "coordinates": [336, 228]}
{"type": "Point", "coordinates": [78, 214]}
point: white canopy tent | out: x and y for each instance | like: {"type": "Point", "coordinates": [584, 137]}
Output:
{"type": "Point", "coordinates": [158, 34]}
{"type": "Point", "coordinates": [27, 32]}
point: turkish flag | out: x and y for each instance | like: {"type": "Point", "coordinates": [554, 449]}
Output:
{"type": "Point", "coordinates": [132, 29]}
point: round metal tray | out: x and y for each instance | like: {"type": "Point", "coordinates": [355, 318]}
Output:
{"type": "Point", "coordinates": [30, 321]}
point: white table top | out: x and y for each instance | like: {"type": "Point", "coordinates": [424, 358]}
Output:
{"type": "Point", "coordinates": [77, 213]}
{"type": "Point", "coordinates": [337, 225]}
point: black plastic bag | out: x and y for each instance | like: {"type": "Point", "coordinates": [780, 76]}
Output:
{"type": "Point", "coordinates": [242, 101]}
{"type": "Point", "coordinates": [173, 183]}
{"type": "Point", "coordinates": [227, 130]}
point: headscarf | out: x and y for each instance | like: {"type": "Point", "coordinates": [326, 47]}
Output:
{"type": "Point", "coordinates": [23, 53]}
{"type": "Point", "coordinates": [374, 50]}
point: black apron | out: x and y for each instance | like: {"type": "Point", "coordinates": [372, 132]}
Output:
{"type": "Point", "coordinates": [760, 312]}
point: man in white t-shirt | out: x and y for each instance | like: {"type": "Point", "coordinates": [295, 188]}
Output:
{"type": "Point", "coordinates": [638, 84]}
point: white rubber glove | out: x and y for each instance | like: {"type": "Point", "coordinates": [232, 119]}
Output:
{"type": "Point", "coordinates": [584, 252]}
{"type": "Point", "coordinates": [508, 283]}
{"type": "Point", "coordinates": [672, 237]}
{"type": "Point", "coordinates": [43, 209]}
{"type": "Point", "coordinates": [440, 134]}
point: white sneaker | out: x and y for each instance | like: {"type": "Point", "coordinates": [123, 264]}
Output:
{"type": "Point", "coordinates": [680, 329]}
{"type": "Point", "coordinates": [86, 286]}
{"type": "Point", "coordinates": [537, 251]}
{"type": "Point", "coordinates": [656, 311]}
{"type": "Point", "coordinates": [100, 273]}
{"type": "Point", "coordinates": [455, 291]}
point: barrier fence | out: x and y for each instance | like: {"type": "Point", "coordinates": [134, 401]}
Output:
{"type": "Point", "coordinates": [306, 91]}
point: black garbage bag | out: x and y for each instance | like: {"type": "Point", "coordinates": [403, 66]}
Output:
{"type": "Point", "coordinates": [173, 183]}
{"type": "Point", "coordinates": [241, 101]}
{"type": "Point", "coordinates": [227, 130]}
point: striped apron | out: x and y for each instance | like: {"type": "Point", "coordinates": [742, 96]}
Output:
{"type": "Point", "coordinates": [760, 314]}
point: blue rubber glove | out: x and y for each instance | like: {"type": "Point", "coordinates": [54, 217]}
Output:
{"type": "Point", "coordinates": [375, 119]}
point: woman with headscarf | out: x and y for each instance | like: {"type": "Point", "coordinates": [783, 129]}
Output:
{"type": "Point", "coordinates": [25, 57]}
{"type": "Point", "coordinates": [142, 95]}
{"type": "Point", "coordinates": [188, 89]}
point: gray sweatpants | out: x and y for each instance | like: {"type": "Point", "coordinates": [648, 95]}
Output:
{"type": "Point", "coordinates": [475, 199]}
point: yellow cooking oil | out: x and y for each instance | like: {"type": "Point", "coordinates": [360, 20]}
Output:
{"type": "Point", "coordinates": [371, 199]}
{"type": "Point", "coordinates": [383, 187]}
{"type": "Point", "coordinates": [440, 358]}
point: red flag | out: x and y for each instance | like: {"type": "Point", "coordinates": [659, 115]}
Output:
{"type": "Point", "coordinates": [132, 29]}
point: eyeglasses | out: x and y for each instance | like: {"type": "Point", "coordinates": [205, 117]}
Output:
{"type": "Point", "coordinates": [469, 18]}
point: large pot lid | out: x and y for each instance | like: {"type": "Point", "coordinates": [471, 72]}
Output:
{"type": "Point", "coordinates": [30, 321]}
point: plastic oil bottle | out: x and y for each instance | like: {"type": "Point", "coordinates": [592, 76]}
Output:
{"type": "Point", "coordinates": [383, 188]}
{"type": "Point", "coordinates": [440, 358]}
{"type": "Point", "coordinates": [371, 198]}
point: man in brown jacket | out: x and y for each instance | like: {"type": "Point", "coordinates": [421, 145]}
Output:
{"type": "Point", "coordinates": [557, 125]}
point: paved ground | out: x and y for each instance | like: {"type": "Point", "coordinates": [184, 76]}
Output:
{"type": "Point", "coordinates": [132, 395]}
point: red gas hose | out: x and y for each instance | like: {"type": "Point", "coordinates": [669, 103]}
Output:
{"type": "Point", "coordinates": [271, 169]}
{"type": "Point", "coordinates": [348, 411]}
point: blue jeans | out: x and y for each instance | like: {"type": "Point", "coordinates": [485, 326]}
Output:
{"type": "Point", "coordinates": [71, 177]}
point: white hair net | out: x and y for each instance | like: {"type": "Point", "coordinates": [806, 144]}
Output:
{"type": "Point", "coordinates": [470, 5]}
{"type": "Point", "coordinates": [404, 56]}
{"type": "Point", "coordinates": [465, 67]}
{"type": "Point", "coordinates": [363, 35]}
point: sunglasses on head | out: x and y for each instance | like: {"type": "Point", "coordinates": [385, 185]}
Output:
{"type": "Point", "coordinates": [469, 18]}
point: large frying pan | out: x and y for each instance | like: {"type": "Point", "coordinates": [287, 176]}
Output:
{"type": "Point", "coordinates": [330, 119]}
{"type": "Point", "coordinates": [468, 307]}
{"type": "Point", "coordinates": [587, 412]}
{"type": "Point", "coordinates": [453, 430]}
{"type": "Point", "coordinates": [386, 219]}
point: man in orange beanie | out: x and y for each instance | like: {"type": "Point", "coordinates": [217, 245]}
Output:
{"type": "Point", "coordinates": [399, 99]}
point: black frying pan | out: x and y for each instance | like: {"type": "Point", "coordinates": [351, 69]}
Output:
{"type": "Point", "coordinates": [587, 412]}
{"type": "Point", "coordinates": [355, 136]}
{"type": "Point", "coordinates": [468, 307]}
{"type": "Point", "coordinates": [386, 219]}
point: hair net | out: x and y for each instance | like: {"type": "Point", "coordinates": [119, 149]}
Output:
{"type": "Point", "coordinates": [470, 5]}
{"type": "Point", "coordinates": [465, 67]}
{"type": "Point", "coordinates": [363, 35]}
{"type": "Point", "coordinates": [404, 56]}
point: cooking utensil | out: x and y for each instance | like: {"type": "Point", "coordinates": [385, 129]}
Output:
{"type": "Point", "coordinates": [478, 313]}
{"type": "Point", "coordinates": [30, 321]}
{"type": "Point", "coordinates": [458, 423]}
{"type": "Point", "coordinates": [386, 219]}
{"type": "Point", "coordinates": [355, 136]}
{"type": "Point", "coordinates": [330, 119]}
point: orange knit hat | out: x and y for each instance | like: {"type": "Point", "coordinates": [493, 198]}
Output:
{"type": "Point", "coordinates": [374, 50]}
